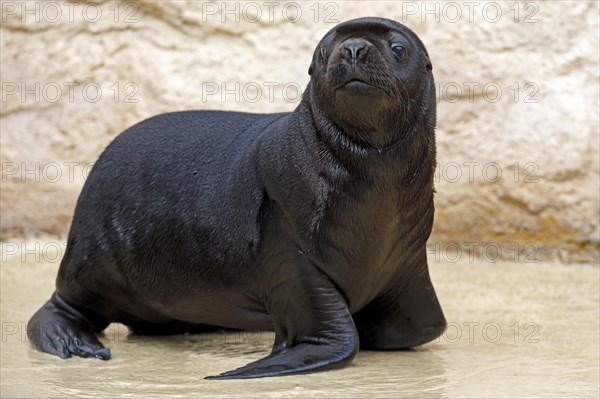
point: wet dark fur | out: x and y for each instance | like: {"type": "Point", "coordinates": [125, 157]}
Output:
{"type": "Point", "coordinates": [312, 223]}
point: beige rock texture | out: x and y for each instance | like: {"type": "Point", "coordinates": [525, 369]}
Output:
{"type": "Point", "coordinates": [518, 111]}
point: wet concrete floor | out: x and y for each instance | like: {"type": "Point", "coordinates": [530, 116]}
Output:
{"type": "Point", "coordinates": [515, 330]}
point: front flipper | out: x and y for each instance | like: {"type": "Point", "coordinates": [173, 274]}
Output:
{"type": "Point", "coordinates": [403, 318]}
{"type": "Point", "coordinates": [313, 325]}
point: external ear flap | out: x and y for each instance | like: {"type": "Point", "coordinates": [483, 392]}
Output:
{"type": "Point", "coordinates": [310, 69]}
{"type": "Point", "coordinates": [428, 65]}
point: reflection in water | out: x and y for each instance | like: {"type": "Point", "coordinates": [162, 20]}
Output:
{"type": "Point", "coordinates": [416, 373]}
{"type": "Point", "coordinates": [516, 331]}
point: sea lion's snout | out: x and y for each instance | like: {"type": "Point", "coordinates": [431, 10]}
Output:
{"type": "Point", "coordinates": [350, 57]}
{"type": "Point", "coordinates": [349, 60]}
{"type": "Point", "coordinates": [354, 49]}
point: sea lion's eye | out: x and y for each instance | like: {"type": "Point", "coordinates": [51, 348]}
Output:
{"type": "Point", "coordinates": [399, 50]}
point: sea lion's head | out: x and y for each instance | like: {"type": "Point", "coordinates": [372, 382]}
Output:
{"type": "Point", "coordinates": [372, 79]}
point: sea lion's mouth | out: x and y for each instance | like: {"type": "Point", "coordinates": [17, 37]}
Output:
{"type": "Point", "coordinates": [356, 84]}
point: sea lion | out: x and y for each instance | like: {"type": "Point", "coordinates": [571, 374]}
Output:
{"type": "Point", "coordinates": [311, 223]}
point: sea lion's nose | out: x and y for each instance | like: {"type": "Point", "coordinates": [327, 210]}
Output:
{"type": "Point", "coordinates": [355, 49]}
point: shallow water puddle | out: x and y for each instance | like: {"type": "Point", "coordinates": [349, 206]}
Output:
{"type": "Point", "coordinates": [515, 330]}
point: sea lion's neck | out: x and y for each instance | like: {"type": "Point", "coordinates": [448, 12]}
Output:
{"type": "Point", "coordinates": [411, 149]}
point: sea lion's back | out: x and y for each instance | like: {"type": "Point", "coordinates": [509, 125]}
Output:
{"type": "Point", "coordinates": [185, 179]}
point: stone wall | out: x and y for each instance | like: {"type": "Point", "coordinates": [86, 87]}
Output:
{"type": "Point", "coordinates": [518, 87]}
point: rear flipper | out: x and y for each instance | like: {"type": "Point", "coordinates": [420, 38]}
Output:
{"type": "Point", "coordinates": [59, 329]}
